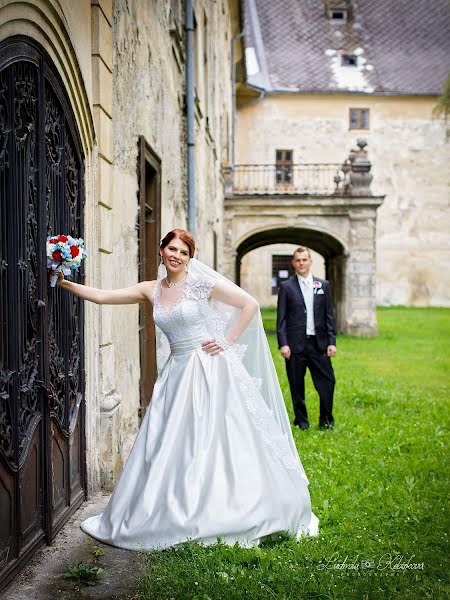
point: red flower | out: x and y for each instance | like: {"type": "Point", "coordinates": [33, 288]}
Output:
{"type": "Point", "coordinates": [57, 255]}
{"type": "Point", "coordinates": [53, 240]}
{"type": "Point", "coordinates": [74, 251]}
{"type": "Point", "coordinates": [62, 238]}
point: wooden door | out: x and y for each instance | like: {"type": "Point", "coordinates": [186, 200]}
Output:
{"type": "Point", "coordinates": [41, 337]}
{"type": "Point", "coordinates": [149, 173]}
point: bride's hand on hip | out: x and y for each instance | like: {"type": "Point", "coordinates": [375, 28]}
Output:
{"type": "Point", "coordinates": [213, 347]}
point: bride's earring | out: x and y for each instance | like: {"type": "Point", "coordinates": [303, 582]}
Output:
{"type": "Point", "coordinates": [161, 262]}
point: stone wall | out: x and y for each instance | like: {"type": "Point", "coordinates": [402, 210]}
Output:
{"type": "Point", "coordinates": [148, 99]}
{"type": "Point", "coordinates": [410, 155]}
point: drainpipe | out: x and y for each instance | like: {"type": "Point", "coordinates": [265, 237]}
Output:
{"type": "Point", "coordinates": [189, 27]}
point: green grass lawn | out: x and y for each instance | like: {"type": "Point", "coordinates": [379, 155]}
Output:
{"type": "Point", "coordinates": [377, 483]}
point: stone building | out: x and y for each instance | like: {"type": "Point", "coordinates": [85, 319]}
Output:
{"type": "Point", "coordinates": [320, 75]}
{"type": "Point", "coordinates": [95, 101]}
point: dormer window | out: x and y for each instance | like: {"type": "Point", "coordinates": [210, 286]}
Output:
{"type": "Point", "coordinates": [338, 15]}
{"type": "Point", "coordinates": [349, 60]}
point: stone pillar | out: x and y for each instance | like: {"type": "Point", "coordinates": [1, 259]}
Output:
{"type": "Point", "coordinates": [109, 441]}
{"type": "Point", "coordinates": [335, 273]}
{"type": "Point", "coordinates": [227, 174]}
{"type": "Point", "coordinates": [360, 176]}
{"type": "Point", "coordinates": [360, 273]}
{"type": "Point", "coordinates": [229, 252]}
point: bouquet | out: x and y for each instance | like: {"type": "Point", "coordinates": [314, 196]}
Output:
{"type": "Point", "coordinates": [64, 253]}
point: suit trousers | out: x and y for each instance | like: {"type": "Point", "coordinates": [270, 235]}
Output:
{"type": "Point", "coordinates": [321, 369]}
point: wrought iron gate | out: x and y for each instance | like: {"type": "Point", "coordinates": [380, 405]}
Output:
{"type": "Point", "coordinates": [42, 478]}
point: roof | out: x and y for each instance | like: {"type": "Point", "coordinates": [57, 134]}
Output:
{"type": "Point", "coordinates": [402, 46]}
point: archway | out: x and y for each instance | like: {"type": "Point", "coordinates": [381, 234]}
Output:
{"type": "Point", "coordinates": [327, 245]}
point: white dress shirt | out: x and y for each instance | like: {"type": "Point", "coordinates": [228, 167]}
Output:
{"type": "Point", "coordinates": [306, 285]}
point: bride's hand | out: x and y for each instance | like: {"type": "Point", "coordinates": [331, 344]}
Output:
{"type": "Point", "coordinates": [60, 276]}
{"type": "Point", "coordinates": [213, 347]}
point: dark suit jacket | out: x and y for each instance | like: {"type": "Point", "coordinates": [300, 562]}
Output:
{"type": "Point", "coordinates": [291, 316]}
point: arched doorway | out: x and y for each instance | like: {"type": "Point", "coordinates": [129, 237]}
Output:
{"type": "Point", "coordinates": [327, 245]}
{"type": "Point", "coordinates": [42, 450]}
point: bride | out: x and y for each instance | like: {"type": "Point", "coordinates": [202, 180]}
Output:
{"type": "Point", "coordinates": [214, 456]}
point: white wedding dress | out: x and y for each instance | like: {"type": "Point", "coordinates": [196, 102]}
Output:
{"type": "Point", "coordinates": [209, 460]}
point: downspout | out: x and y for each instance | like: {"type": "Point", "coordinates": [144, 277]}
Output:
{"type": "Point", "coordinates": [189, 27]}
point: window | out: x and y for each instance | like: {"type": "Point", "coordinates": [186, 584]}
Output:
{"type": "Point", "coordinates": [338, 15]}
{"type": "Point", "coordinates": [349, 60]}
{"type": "Point", "coordinates": [282, 269]}
{"type": "Point", "coordinates": [284, 167]}
{"type": "Point", "coordinates": [359, 118]}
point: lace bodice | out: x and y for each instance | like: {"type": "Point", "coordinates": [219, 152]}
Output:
{"type": "Point", "coordinates": [186, 318]}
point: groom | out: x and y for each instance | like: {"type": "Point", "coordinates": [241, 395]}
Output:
{"type": "Point", "coordinates": [307, 338]}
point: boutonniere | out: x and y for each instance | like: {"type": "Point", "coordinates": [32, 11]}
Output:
{"type": "Point", "coordinates": [317, 285]}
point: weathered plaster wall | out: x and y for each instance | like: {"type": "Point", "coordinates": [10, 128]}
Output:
{"type": "Point", "coordinates": [410, 156]}
{"type": "Point", "coordinates": [148, 99]}
{"type": "Point", "coordinates": [213, 121]}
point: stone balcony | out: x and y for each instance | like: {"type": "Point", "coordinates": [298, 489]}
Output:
{"type": "Point", "coordinates": [350, 178]}
{"type": "Point", "coordinates": [296, 179]}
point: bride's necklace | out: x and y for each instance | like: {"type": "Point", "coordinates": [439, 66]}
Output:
{"type": "Point", "coordinates": [176, 283]}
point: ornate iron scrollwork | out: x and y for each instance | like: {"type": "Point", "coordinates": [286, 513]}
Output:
{"type": "Point", "coordinates": [25, 119]}
{"type": "Point", "coordinates": [53, 132]}
{"type": "Point", "coordinates": [4, 126]}
{"type": "Point", "coordinates": [24, 103]}
{"type": "Point", "coordinates": [6, 426]}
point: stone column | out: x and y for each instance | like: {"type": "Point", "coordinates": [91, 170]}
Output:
{"type": "Point", "coordinates": [360, 272]}
{"type": "Point", "coordinates": [229, 252]}
{"type": "Point", "coordinates": [335, 274]}
{"type": "Point", "coordinates": [227, 174]}
{"type": "Point", "coordinates": [109, 441]}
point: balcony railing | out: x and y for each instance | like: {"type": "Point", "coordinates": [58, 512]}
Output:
{"type": "Point", "coordinates": [299, 178]}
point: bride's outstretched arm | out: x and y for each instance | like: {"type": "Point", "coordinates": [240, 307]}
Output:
{"type": "Point", "coordinates": [235, 296]}
{"type": "Point", "coordinates": [139, 292]}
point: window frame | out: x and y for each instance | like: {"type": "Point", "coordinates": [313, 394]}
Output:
{"type": "Point", "coordinates": [359, 111]}
{"type": "Point", "coordinates": [284, 164]}
{"type": "Point", "coordinates": [338, 10]}
{"type": "Point", "coordinates": [286, 260]}
{"type": "Point", "coordinates": [349, 57]}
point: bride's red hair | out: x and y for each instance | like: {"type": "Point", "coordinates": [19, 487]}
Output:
{"type": "Point", "coordinates": [182, 235]}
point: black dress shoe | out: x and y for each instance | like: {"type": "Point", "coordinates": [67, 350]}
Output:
{"type": "Point", "coordinates": [304, 426]}
{"type": "Point", "coordinates": [326, 424]}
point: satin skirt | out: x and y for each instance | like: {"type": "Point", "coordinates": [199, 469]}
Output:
{"type": "Point", "coordinates": [200, 469]}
